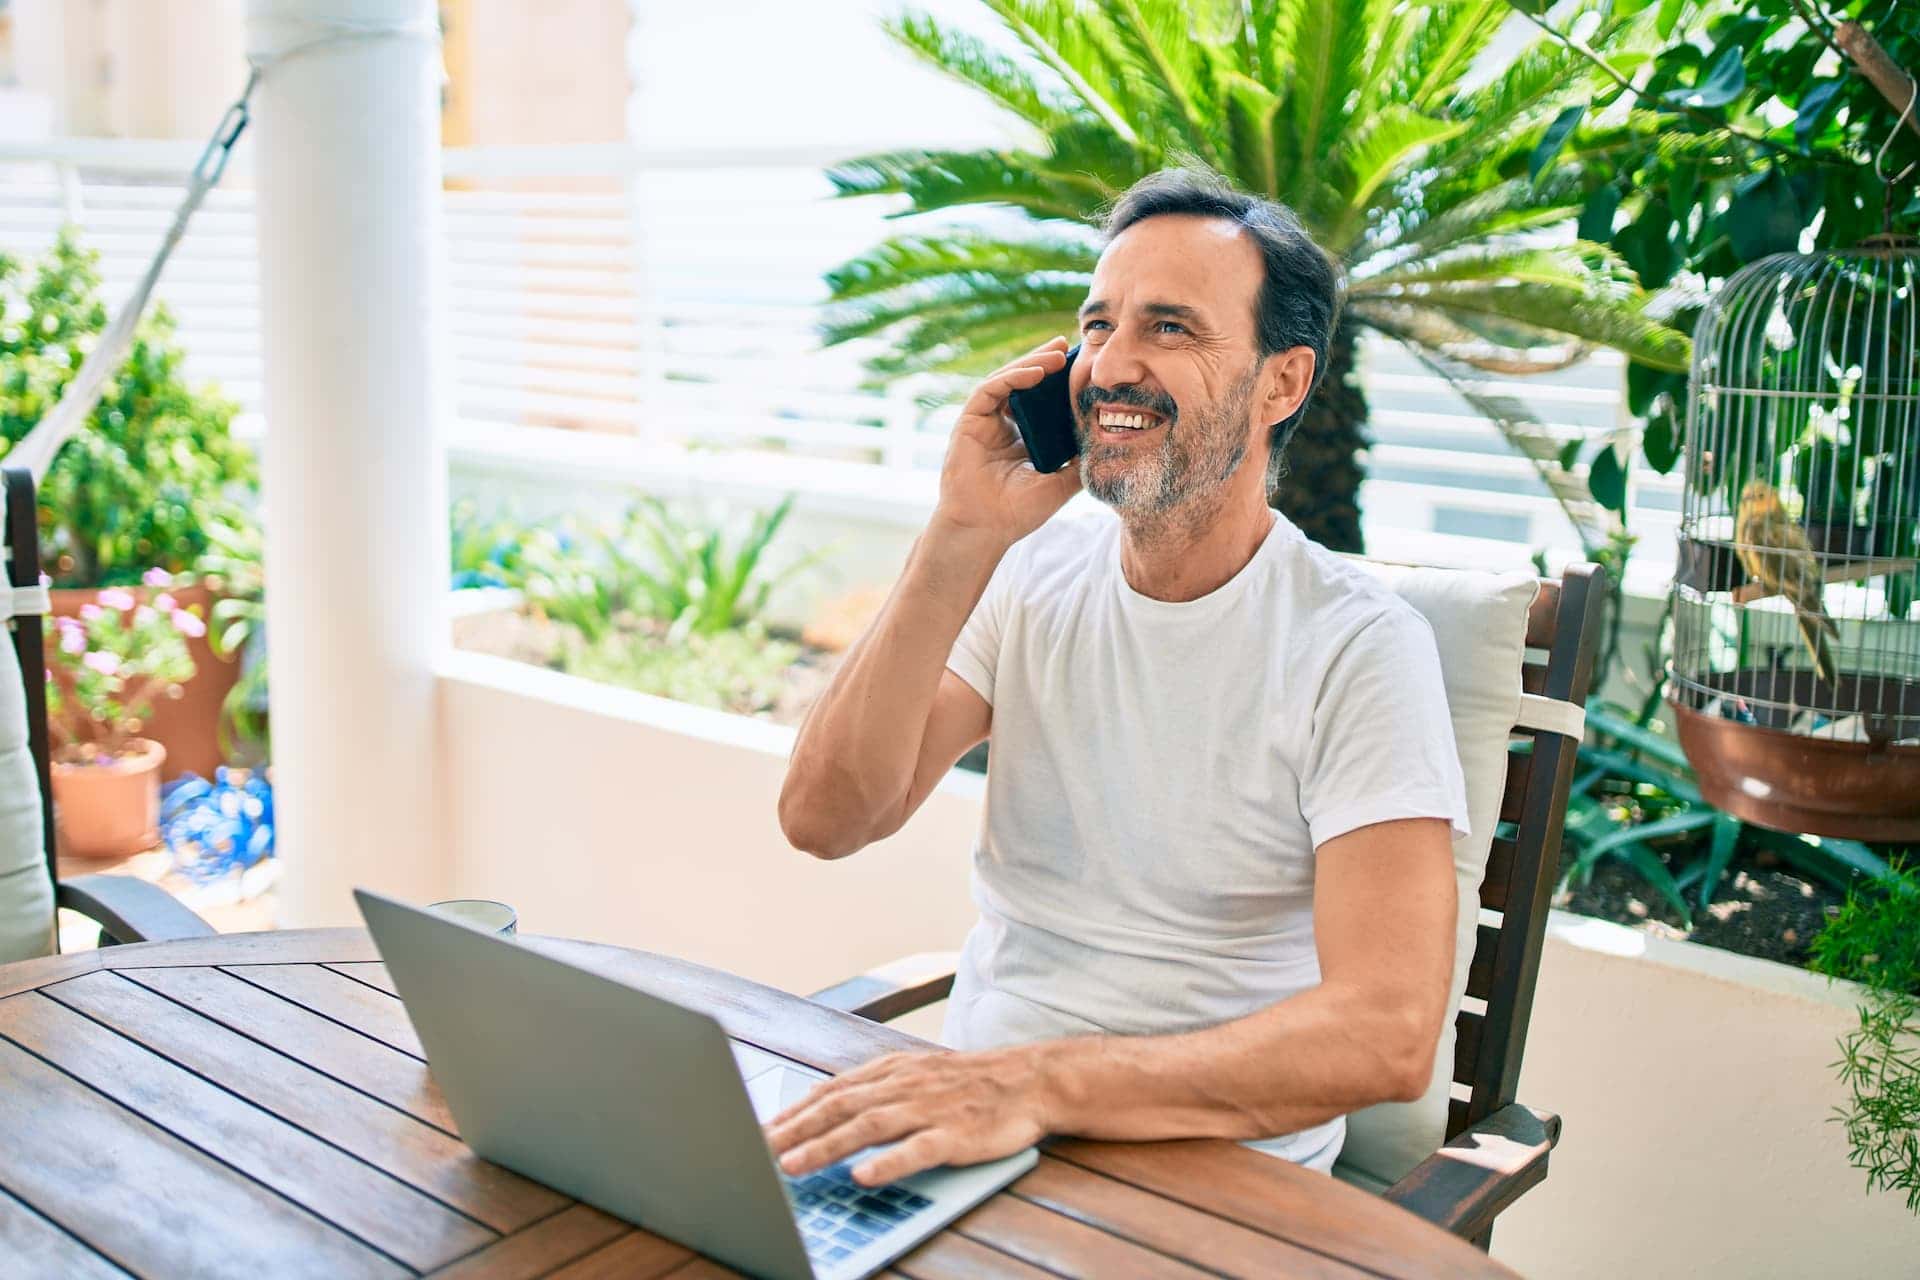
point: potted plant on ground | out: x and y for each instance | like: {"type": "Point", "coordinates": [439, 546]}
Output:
{"type": "Point", "coordinates": [140, 486]}
{"type": "Point", "coordinates": [108, 665]}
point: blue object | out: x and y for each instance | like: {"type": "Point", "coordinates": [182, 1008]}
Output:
{"type": "Point", "coordinates": [213, 829]}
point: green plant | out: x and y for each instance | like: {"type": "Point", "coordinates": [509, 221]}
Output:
{"type": "Point", "coordinates": [740, 670]}
{"type": "Point", "coordinates": [1875, 940]}
{"type": "Point", "coordinates": [135, 488]}
{"type": "Point", "coordinates": [107, 665]}
{"type": "Point", "coordinates": [564, 574]}
{"type": "Point", "coordinates": [1366, 116]}
{"type": "Point", "coordinates": [234, 566]}
{"type": "Point", "coordinates": [1634, 797]}
{"type": "Point", "coordinates": [688, 576]}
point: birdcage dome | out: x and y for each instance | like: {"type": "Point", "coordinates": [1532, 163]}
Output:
{"type": "Point", "coordinates": [1795, 678]}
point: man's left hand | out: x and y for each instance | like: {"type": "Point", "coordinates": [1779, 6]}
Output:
{"type": "Point", "coordinates": [941, 1108]}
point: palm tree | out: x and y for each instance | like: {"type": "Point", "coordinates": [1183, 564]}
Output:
{"type": "Point", "coordinates": [1432, 189]}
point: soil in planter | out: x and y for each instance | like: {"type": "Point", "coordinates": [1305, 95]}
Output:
{"type": "Point", "coordinates": [1761, 908]}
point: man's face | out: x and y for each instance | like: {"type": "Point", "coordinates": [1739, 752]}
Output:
{"type": "Point", "coordinates": [1163, 387]}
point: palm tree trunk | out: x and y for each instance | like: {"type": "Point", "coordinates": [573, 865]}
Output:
{"type": "Point", "coordinates": [1320, 488]}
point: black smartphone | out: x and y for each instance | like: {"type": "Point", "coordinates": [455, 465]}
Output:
{"type": "Point", "coordinates": [1044, 415]}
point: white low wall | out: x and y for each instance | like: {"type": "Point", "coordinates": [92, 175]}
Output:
{"type": "Point", "coordinates": [1695, 1085]}
{"type": "Point", "coordinates": [605, 814]}
{"type": "Point", "coordinates": [1697, 1088]}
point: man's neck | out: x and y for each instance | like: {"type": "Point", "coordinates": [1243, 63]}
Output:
{"type": "Point", "coordinates": [1183, 555]}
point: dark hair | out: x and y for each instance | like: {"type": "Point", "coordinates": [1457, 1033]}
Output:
{"type": "Point", "coordinates": [1299, 300]}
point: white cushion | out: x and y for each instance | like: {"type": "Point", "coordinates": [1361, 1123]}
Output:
{"type": "Point", "coordinates": [1479, 625]}
{"type": "Point", "coordinates": [26, 891]}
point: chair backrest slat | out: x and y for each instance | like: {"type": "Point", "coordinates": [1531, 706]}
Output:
{"type": "Point", "coordinates": [22, 537]}
{"type": "Point", "coordinates": [1499, 877]}
{"type": "Point", "coordinates": [1523, 865]}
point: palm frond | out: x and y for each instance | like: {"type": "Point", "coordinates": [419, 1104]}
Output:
{"type": "Point", "coordinates": [1250, 108]}
{"type": "Point", "coordinates": [1438, 222]}
{"type": "Point", "coordinates": [1620, 323]}
{"type": "Point", "coordinates": [1329, 51]}
{"type": "Point", "coordinates": [1453, 36]}
{"type": "Point", "coordinates": [947, 300]}
{"type": "Point", "coordinates": [1078, 46]}
{"type": "Point", "coordinates": [912, 259]}
{"type": "Point", "coordinates": [1504, 347]}
{"type": "Point", "coordinates": [1154, 33]}
{"type": "Point", "coordinates": [1594, 268]}
{"type": "Point", "coordinates": [944, 179]}
{"type": "Point", "coordinates": [970, 60]}
{"type": "Point", "coordinates": [1373, 151]}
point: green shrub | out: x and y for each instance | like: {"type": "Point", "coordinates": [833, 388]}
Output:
{"type": "Point", "coordinates": [137, 487]}
{"type": "Point", "coordinates": [1875, 940]}
{"type": "Point", "coordinates": [741, 670]}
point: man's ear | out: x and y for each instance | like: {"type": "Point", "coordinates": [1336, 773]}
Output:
{"type": "Point", "coordinates": [1285, 380]}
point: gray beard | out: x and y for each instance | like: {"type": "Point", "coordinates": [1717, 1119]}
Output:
{"type": "Point", "coordinates": [1175, 488]}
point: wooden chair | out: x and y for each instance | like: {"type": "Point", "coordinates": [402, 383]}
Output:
{"type": "Point", "coordinates": [1496, 1149]}
{"type": "Point", "coordinates": [127, 909]}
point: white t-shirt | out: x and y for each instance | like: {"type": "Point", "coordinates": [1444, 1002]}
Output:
{"type": "Point", "coordinates": [1160, 775]}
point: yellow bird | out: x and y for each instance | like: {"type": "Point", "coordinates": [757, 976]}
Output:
{"type": "Point", "coordinates": [1774, 551]}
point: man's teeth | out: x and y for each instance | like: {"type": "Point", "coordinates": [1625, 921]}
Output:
{"type": "Point", "coordinates": [1127, 421]}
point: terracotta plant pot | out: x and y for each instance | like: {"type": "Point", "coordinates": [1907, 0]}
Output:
{"type": "Point", "coordinates": [110, 809]}
{"type": "Point", "coordinates": [187, 726]}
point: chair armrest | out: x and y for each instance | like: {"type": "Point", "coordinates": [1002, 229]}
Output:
{"type": "Point", "coordinates": [131, 910]}
{"type": "Point", "coordinates": [894, 989]}
{"type": "Point", "coordinates": [1466, 1183]}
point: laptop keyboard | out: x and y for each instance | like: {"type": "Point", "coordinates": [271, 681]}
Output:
{"type": "Point", "coordinates": [837, 1216]}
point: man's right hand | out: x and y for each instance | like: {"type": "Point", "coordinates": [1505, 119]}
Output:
{"type": "Point", "coordinates": [987, 486]}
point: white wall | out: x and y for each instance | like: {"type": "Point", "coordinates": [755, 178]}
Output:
{"type": "Point", "coordinates": [572, 802]}
{"type": "Point", "coordinates": [1695, 1085]}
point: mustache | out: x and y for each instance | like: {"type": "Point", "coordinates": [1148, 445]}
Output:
{"type": "Point", "coordinates": [1134, 397]}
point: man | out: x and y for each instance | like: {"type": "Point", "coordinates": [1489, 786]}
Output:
{"type": "Point", "coordinates": [1214, 876]}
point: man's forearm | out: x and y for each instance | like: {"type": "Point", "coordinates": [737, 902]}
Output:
{"type": "Point", "coordinates": [1317, 1055]}
{"type": "Point", "coordinates": [853, 764]}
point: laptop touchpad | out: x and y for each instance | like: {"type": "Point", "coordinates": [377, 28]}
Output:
{"type": "Point", "coordinates": [777, 1088]}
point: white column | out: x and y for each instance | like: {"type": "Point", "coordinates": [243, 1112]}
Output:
{"type": "Point", "coordinates": [346, 151]}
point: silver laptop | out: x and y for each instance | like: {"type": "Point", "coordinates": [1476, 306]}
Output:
{"type": "Point", "coordinates": [644, 1108]}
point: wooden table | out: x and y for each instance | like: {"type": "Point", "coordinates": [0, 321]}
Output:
{"type": "Point", "coordinates": [257, 1105]}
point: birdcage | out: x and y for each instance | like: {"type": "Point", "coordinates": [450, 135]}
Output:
{"type": "Point", "coordinates": [1796, 648]}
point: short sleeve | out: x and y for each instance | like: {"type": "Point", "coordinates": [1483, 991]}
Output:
{"type": "Point", "coordinates": [976, 651]}
{"type": "Point", "coordinates": [1382, 739]}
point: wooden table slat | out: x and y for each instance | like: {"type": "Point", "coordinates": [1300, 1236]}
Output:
{"type": "Point", "coordinates": [1124, 1210]}
{"type": "Point", "coordinates": [633, 1256]}
{"type": "Point", "coordinates": [149, 1202]}
{"type": "Point", "coordinates": [350, 1194]}
{"type": "Point", "coordinates": [1282, 1199]}
{"type": "Point", "coordinates": [372, 1013]}
{"type": "Point", "coordinates": [371, 972]}
{"type": "Point", "coordinates": [33, 1248]}
{"type": "Point", "coordinates": [411, 1150]}
{"type": "Point", "coordinates": [1061, 1244]}
{"type": "Point", "coordinates": [374, 1068]}
{"type": "Point", "coordinates": [951, 1256]}
{"type": "Point", "coordinates": [534, 1251]}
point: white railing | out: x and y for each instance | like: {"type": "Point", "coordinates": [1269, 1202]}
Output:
{"type": "Point", "coordinates": [673, 297]}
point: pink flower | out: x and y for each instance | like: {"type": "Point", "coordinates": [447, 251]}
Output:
{"type": "Point", "coordinates": [157, 577]}
{"type": "Point", "coordinates": [143, 615]}
{"type": "Point", "coordinates": [188, 624]}
{"type": "Point", "coordinates": [165, 603]}
{"type": "Point", "coordinates": [89, 611]}
{"type": "Point", "coordinates": [115, 598]}
{"type": "Point", "coordinates": [73, 640]}
{"type": "Point", "coordinates": [105, 663]}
